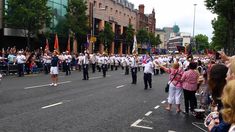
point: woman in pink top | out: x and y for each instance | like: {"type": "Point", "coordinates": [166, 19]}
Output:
{"type": "Point", "coordinates": [190, 81]}
{"type": "Point", "coordinates": [175, 86]}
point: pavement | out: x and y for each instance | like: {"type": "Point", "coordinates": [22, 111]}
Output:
{"type": "Point", "coordinates": [111, 104]}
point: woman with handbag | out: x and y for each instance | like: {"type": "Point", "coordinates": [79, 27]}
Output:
{"type": "Point", "coordinates": [175, 86]}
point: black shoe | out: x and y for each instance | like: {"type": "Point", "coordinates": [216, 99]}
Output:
{"type": "Point", "coordinates": [83, 79]}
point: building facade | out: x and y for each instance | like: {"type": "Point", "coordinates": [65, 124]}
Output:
{"type": "Point", "coordinates": [146, 21]}
{"type": "Point", "coordinates": [16, 37]}
{"type": "Point", "coordinates": [162, 35]}
{"type": "Point", "coordinates": [119, 13]}
{"type": "Point", "coordinates": [178, 40]}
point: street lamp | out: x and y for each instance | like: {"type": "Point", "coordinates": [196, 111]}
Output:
{"type": "Point", "coordinates": [194, 25]}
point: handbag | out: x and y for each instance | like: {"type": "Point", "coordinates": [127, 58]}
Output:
{"type": "Point", "coordinates": [167, 85]}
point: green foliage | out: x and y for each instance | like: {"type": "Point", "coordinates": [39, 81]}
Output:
{"type": "Point", "coordinates": [142, 36]}
{"type": "Point", "coordinates": [129, 35]}
{"type": "Point", "coordinates": [225, 9]}
{"type": "Point", "coordinates": [106, 36]}
{"type": "Point", "coordinates": [201, 42]}
{"type": "Point", "coordinates": [31, 15]}
{"type": "Point", "coordinates": [154, 40]}
{"type": "Point", "coordinates": [219, 39]}
{"type": "Point", "coordinates": [76, 18]}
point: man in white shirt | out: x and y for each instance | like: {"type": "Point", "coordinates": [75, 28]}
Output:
{"type": "Point", "coordinates": [85, 63]}
{"type": "Point", "coordinates": [104, 59]}
{"type": "Point", "coordinates": [134, 65]}
{"type": "Point", "coordinates": [93, 62]}
{"type": "Point", "coordinates": [148, 71]}
{"type": "Point", "coordinates": [20, 59]}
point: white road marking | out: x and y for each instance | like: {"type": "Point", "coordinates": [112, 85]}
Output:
{"type": "Point", "coordinates": [171, 131]}
{"type": "Point", "coordinates": [120, 86]}
{"type": "Point", "coordinates": [39, 86]}
{"type": "Point", "coordinates": [92, 78]}
{"type": "Point", "coordinates": [48, 106]}
{"type": "Point", "coordinates": [156, 107]}
{"type": "Point", "coordinates": [135, 124]}
{"type": "Point", "coordinates": [163, 102]}
{"type": "Point", "coordinates": [148, 113]}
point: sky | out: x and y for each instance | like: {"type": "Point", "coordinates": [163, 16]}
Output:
{"type": "Point", "coordinates": [181, 13]}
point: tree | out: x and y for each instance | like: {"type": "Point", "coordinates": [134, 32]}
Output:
{"type": "Point", "coordinates": [76, 18]}
{"type": "Point", "coordinates": [154, 40]}
{"type": "Point", "coordinates": [30, 15]}
{"type": "Point", "coordinates": [225, 9]}
{"type": "Point", "coordinates": [129, 36]}
{"type": "Point", "coordinates": [142, 37]}
{"type": "Point", "coordinates": [219, 40]}
{"type": "Point", "coordinates": [201, 42]}
{"type": "Point", "coordinates": [106, 36]}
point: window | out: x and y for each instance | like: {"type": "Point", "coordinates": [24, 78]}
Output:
{"type": "Point", "coordinates": [100, 4]}
{"type": "Point", "coordinates": [111, 9]}
{"type": "Point", "coordinates": [95, 3]}
{"type": "Point", "coordinates": [106, 7]}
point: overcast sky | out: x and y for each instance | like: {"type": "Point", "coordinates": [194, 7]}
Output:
{"type": "Point", "coordinates": [180, 12]}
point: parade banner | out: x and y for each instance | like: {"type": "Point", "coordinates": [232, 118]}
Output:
{"type": "Point", "coordinates": [135, 48]}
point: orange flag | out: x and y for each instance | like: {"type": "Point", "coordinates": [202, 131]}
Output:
{"type": "Point", "coordinates": [56, 44]}
{"type": "Point", "coordinates": [47, 45]}
{"type": "Point", "coordinates": [68, 46]}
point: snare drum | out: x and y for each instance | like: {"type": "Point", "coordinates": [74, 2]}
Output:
{"type": "Point", "coordinates": [199, 113]}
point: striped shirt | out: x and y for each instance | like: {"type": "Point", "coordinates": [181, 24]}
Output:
{"type": "Point", "coordinates": [190, 80]}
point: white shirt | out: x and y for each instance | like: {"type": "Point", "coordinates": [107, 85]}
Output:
{"type": "Point", "coordinates": [20, 59]}
{"type": "Point", "coordinates": [133, 62]}
{"type": "Point", "coordinates": [85, 59]}
{"type": "Point", "coordinates": [148, 67]}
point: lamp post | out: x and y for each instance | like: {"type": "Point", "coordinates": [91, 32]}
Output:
{"type": "Point", "coordinates": [194, 26]}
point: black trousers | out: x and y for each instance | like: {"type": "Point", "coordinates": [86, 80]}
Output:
{"type": "Point", "coordinates": [99, 68]}
{"type": "Point", "coordinates": [104, 69]}
{"type": "Point", "coordinates": [85, 72]}
{"type": "Point", "coordinates": [93, 67]}
{"type": "Point", "coordinates": [126, 70]}
{"type": "Point", "coordinates": [190, 99]}
{"type": "Point", "coordinates": [116, 68]}
{"type": "Point", "coordinates": [162, 71]}
{"type": "Point", "coordinates": [134, 75]}
{"type": "Point", "coordinates": [67, 68]}
{"type": "Point", "coordinates": [112, 67]}
{"type": "Point", "coordinates": [156, 71]}
{"type": "Point", "coordinates": [47, 68]}
{"type": "Point", "coordinates": [20, 69]}
{"type": "Point", "coordinates": [147, 80]}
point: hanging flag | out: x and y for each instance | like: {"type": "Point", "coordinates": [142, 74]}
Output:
{"type": "Point", "coordinates": [47, 45]}
{"type": "Point", "coordinates": [135, 48]}
{"type": "Point", "coordinates": [75, 46]}
{"type": "Point", "coordinates": [68, 46]}
{"type": "Point", "coordinates": [87, 42]}
{"type": "Point", "coordinates": [56, 43]}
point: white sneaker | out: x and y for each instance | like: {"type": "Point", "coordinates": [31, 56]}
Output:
{"type": "Point", "coordinates": [55, 84]}
{"type": "Point", "coordinates": [52, 84]}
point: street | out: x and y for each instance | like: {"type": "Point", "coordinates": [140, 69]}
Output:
{"type": "Point", "coordinates": [110, 104]}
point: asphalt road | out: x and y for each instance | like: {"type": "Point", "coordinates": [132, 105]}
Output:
{"type": "Point", "coordinates": [111, 104]}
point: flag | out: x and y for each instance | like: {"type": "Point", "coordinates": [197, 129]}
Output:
{"type": "Point", "coordinates": [68, 46]}
{"type": "Point", "coordinates": [56, 43]}
{"type": "Point", "coordinates": [75, 46]}
{"type": "Point", "coordinates": [87, 42]}
{"type": "Point", "coordinates": [47, 45]}
{"type": "Point", "coordinates": [135, 48]}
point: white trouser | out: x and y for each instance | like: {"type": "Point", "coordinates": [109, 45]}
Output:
{"type": "Point", "coordinates": [174, 94]}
